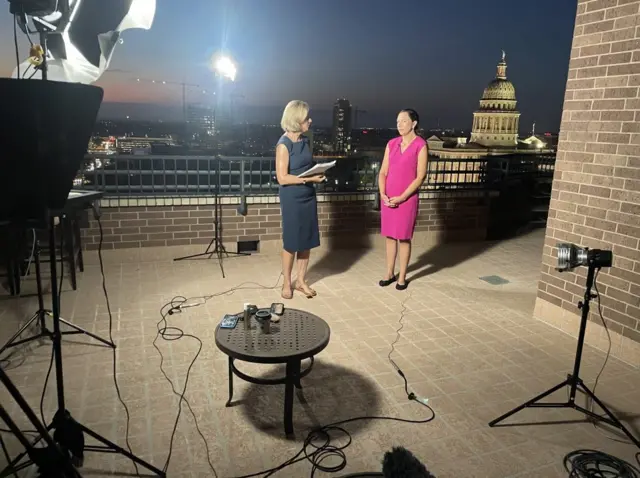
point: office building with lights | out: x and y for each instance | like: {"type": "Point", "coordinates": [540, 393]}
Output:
{"type": "Point", "coordinates": [341, 132]}
{"type": "Point", "coordinates": [201, 121]}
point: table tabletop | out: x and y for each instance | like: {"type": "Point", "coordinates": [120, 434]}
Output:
{"type": "Point", "coordinates": [297, 336]}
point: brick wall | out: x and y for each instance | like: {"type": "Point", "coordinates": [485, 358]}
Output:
{"type": "Point", "coordinates": [596, 189]}
{"type": "Point", "coordinates": [352, 218]}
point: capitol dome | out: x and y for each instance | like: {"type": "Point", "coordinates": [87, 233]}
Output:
{"type": "Point", "coordinates": [496, 122]}
{"type": "Point", "coordinates": [500, 89]}
{"type": "Point", "coordinates": [500, 94]}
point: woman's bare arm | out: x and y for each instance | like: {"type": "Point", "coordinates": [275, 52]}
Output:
{"type": "Point", "coordinates": [282, 167]}
{"type": "Point", "coordinates": [382, 176]}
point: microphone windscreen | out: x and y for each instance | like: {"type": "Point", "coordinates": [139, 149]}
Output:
{"type": "Point", "coordinates": [401, 463]}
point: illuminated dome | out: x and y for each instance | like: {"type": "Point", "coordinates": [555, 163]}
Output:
{"type": "Point", "coordinates": [500, 89]}
{"type": "Point", "coordinates": [500, 94]}
{"type": "Point", "coordinates": [496, 122]}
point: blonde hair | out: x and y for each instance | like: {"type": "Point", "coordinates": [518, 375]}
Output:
{"type": "Point", "coordinates": [293, 115]}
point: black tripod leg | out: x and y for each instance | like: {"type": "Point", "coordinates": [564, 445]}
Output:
{"type": "Point", "coordinates": [80, 330]}
{"type": "Point", "coordinates": [62, 460]}
{"type": "Point", "coordinates": [208, 252]}
{"type": "Point", "coordinates": [217, 222]}
{"type": "Point", "coordinates": [117, 449]}
{"type": "Point", "coordinates": [13, 342]}
{"type": "Point", "coordinates": [220, 259]}
{"type": "Point", "coordinates": [611, 420]}
{"type": "Point", "coordinates": [6, 454]}
{"type": "Point", "coordinates": [530, 403]}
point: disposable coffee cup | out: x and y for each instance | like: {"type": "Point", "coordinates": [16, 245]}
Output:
{"type": "Point", "coordinates": [247, 316]}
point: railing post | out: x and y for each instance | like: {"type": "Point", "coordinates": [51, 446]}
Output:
{"type": "Point", "coordinates": [242, 176]}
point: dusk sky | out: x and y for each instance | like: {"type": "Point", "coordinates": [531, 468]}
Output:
{"type": "Point", "coordinates": [383, 55]}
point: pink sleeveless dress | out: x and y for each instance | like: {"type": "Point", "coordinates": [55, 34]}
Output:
{"type": "Point", "coordinates": [399, 222]}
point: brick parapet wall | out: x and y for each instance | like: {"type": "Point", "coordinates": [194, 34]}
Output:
{"type": "Point", "coordinates": [149, 222]}
{"type": "Point", "coordinates": [596, 189]}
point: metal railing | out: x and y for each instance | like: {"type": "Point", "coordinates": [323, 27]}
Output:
{"type": "Point", "coordinates": [131, 175]}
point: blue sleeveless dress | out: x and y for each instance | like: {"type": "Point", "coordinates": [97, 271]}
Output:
{"type": "Point", "coordinates": [298, 204]}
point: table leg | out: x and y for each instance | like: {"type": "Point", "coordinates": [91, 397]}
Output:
{"type": "Point", "coordinates": [292, 379]}
{"type": "Point", "coordinates": [230, 382]}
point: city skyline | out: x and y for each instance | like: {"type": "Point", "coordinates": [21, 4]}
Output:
{"type": "Point", "coordinates": [342, 50]}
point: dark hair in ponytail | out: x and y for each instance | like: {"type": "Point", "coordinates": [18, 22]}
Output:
{"type": "Point", "coordinates": [413, 116]}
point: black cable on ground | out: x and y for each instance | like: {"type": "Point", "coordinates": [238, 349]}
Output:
{"type": "Point", "coordinates": [606, 359]}
{"type": "Point", "coordinates": [592, 463]}
{"type": "Point", "coordinates": [596, 464]}
{"type": "Point", "coordinates": [171, 333]}
{"type": "Point", "coordinates": [113, 349]}
{"type": "Point", "coordinates": [317, 447]}
{"type": "Point", "coordinates": [410, 395]}
{"type": "Point", "coordinates": [44, 387]}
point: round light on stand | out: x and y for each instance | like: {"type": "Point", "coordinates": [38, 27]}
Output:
{"type": "Point", "coordinates": [225, 67]}
{"type": "Point", "coordinates": [571, 256]}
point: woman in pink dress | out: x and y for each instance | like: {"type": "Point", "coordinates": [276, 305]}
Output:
{"type": "Point", "coordinates": [403, 171]}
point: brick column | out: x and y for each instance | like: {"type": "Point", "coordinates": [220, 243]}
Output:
{"type": "Point", "coordinates": [596, 188]}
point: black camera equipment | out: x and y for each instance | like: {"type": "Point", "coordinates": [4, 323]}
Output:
{"type": "Point", "coordinates": [51, 461]}
{"type": "Point", "coordinates": [44, 145]}
{"type": "Point", "coordinates": [570, 257]}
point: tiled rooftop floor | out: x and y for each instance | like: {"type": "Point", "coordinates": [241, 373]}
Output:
{"type": "Point", "coordinates": [470, 347]}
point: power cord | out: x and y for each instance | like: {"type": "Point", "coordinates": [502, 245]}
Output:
{"type": "Point", "coordinates": [15, 42]}
{"type": "Point", "coordinates": [606, 329]}
{"type": "Point", "coordinates": [97, 214]}
{"type": "Point", "coordinates": [325, 450]}
{"type": "Point", "coordinates": [604, 364]}
{"type": "Point", "coordinates": [317, 447]}
{"type": "Point", "coordinates": [171, 333]}
{"type": "Point", "coordinates": [596, 464]}
{"type": "Point", "coordinates": [410, 395]}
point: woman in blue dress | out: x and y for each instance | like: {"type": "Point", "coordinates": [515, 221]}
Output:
{"type": "Point", "coordinates": [298, 204]}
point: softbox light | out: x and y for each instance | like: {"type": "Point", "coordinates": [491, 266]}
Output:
{"type": "Point", "coordinates": [33, 7]}
{"type": "Point", "coordinates": [82, 35]}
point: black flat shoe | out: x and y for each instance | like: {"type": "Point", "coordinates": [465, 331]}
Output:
{"type": "Point", "coordinates": [387, 282]}
{"type": "Point", "coordinates": [402, 286]}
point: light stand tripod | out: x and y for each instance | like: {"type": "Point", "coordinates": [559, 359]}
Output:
{"type": "Point", "coordinates": [594, 259]}
{"type": "Point", "coordinates": [42, 313]}
{"type": "Point", "coordinates": [69, 433]}
{"type": "Point", "coordinates": [215, 246]}
{"type": "Point", "coordinates": [50, 460]}
{"type": "Point", "coordinates": [46, 141]}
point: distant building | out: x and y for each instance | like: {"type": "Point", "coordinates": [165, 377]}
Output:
{"type": "Point", "coordinates": [140, 145]}
{"type": "Point", "coordinates": [496, 122]}
{"type": "Point", "coordinates": [342, 125]}
{"type": "Point", "coordinates": [494, 129]}
{"type": "Point", "coordinates": [201, 121]}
